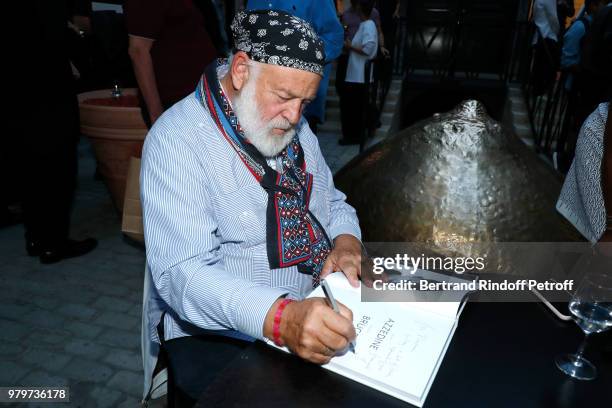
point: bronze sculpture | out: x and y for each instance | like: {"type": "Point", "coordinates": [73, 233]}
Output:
{"type": "Point", "coordinates": [457, 178]}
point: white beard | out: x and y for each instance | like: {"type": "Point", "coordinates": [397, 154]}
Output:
{"type": "Point", "coordinates": [258, 132]}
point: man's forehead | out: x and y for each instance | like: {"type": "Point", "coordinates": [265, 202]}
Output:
{"type": "Point", "coordinates": [293, 81]}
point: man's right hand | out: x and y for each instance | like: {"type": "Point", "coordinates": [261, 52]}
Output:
{"type": "Point", "coordinates": [312, 330]}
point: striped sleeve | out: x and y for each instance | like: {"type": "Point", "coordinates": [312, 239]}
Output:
{"type": "Point", "coordinates": [183, 247]}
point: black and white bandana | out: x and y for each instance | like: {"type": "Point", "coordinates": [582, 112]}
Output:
{"type": "Point", "coordinates": [278, 38]}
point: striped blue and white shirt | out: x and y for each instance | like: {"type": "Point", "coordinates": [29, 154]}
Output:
{"type": "Point", "coordinates": [205, 227]}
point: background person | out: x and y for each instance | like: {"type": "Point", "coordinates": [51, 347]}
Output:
{"type": "Point", "coordinates": [361, 49]}
{"type": "Point", "coordinates": [44, 148]}
{"type": "Point", "coordinates": [169, 48]}
{"type": "Point", "coordinates": [593, 81]}
{"type": "Point", "coordinates": [546, 45]}
{"type": "Point", "coordinates": [565, 10]}
{"type": "Point", "coordinates": [351, 19]}
{"type": "Point", "coordinates": [574, 38]}
{"type": "Point", "coordinates": [571, 56]}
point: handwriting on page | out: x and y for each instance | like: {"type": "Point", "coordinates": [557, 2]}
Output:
{"type": "Point", "coordinates": [383, 346]}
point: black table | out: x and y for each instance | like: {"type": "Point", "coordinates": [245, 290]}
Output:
{"type": "Point", "coordinates": [502, 355]}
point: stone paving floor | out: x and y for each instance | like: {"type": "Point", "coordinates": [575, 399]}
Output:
{"type": "Point", "coordinates": [77, 323]}
{"type": "Point", "coordinates": [336, 156]}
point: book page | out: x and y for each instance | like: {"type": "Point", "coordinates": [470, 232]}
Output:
{"type": "Point", "coordinates": [396, 347]}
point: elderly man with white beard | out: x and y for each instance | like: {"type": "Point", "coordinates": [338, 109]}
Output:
{"type": "Point", "coordinates": [241, 215]}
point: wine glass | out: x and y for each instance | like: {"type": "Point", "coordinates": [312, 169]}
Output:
{"type": "Point", "coordinates": [592, 307]}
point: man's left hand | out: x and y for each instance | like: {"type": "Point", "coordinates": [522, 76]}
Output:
{"type": "Point", "coordinates": [345, 257]}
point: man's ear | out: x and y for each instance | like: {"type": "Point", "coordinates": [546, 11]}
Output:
{"type": "Point", "coordinates": [239, 70]}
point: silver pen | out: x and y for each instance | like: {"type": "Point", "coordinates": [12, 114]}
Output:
{"type": "Point", "coordinates": [330, 297]}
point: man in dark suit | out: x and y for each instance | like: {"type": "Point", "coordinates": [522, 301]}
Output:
{"type": "Point", "coordinates": [43, 148]}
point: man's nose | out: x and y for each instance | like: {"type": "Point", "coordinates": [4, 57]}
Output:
{"type": "Point", "coordinates": [294, 111]}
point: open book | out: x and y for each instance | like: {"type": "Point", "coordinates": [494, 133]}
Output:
{"type": "Point", "coordinates": [399, 345]}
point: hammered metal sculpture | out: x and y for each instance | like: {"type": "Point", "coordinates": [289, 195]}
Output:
{"type": "Point", "coordinates": [455, 178]}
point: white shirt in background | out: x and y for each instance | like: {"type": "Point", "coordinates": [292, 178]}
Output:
{"type": "Point", "coordinates": [545, 19]}
{"type": "Point", "coordinates": [366, 38]}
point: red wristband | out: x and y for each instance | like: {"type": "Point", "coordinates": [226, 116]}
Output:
{"type": "Point", "coordinates": [277, 320]}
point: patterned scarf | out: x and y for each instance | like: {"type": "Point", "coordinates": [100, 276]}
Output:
{"type": "Point", "coordinates": [294, 236]}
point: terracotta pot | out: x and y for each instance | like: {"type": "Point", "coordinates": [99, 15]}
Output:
{"type": "Point", "coordinates": [116, 134]}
